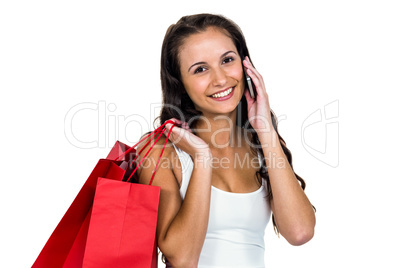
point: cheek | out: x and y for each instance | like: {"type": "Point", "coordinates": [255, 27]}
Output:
{"type": "Point", "coordinates": [237, 71]}
{"type": "Point", "coordinates": [196, 86]}
{"type": "Point", "coordinates": [194, 89]}
{"type": "Point", "coordinates": [239, 76]}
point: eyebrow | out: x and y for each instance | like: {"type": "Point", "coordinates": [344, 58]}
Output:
{"type": "Point", "coordinates": [203, 62]}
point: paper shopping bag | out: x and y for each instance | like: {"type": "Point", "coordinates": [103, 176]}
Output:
{"type": "Point", "coordinates": [122, 230]}
{"type": "Point", "coordinates": [66, 245]}
{"type": "Point", "coordinates": [68, 242]}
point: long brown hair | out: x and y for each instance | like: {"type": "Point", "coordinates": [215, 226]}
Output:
{"type": "Point", "coordinates": [177, 103]}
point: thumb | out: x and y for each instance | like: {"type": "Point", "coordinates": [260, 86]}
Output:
{"type": "Point", "coordinates": [168, 126]}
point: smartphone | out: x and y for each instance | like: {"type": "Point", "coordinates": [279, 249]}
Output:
{"type": "Point", "coordinates": [249, 84]}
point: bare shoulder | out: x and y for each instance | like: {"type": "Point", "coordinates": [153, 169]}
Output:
{"type": "Point", "coordinates": [151, 156]}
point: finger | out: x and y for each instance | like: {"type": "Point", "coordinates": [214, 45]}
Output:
{"type": "Point", "coordinates": [176, 121]}
{"type": "Point", "coordinates": [167, 128]}
{"type": "Point", "coordinates": [176, 133]}
{"type": "Point", "coordinates": [179, 123]}
{"type": "Point", "coordinates": [249, 65]}
{"type": "Point", "coordinates": [257, 82]}
{"type": "Point", "coordinates": [185, 125]}
{"type": "Point", "coordinates": [250, 68]}
{"type": "Point", "coordinates": [254, 70]}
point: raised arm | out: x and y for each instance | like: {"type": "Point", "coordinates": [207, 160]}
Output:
{"type": "Point", "coordinates": [294, 214]}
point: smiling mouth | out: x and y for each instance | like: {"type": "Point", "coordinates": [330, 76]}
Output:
{"type": "Point", "coordinates": [222, 94]}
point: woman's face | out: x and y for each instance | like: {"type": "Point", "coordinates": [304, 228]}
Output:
{"type": "Point", "coordinates": [212, 72]}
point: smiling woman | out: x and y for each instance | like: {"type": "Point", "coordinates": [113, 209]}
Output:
{"type": "Point", "coordinates": [215, 215]}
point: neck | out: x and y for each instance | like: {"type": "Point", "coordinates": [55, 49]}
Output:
{"type": "Point", "coordinates": [218, 131]}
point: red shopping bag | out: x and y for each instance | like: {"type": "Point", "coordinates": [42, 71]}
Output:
{"type": "Point", "coordinates": [66, 246]}
{"type": "Point", "coordinates": [122, 229]}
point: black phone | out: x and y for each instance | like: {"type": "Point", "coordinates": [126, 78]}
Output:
{"type": "Point", "coordinates": [249, 84]}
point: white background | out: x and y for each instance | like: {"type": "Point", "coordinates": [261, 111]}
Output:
{"type": "Point", "coordinates": [55, 55]}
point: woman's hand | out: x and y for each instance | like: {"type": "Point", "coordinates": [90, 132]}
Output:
{"type": "Point", "coordinates": [259, 111]}
{"type": "Point", "coordinates": [183, 138]}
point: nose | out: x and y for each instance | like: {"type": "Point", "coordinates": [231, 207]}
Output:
{"type": "Point", "coordinates": [219, 77]}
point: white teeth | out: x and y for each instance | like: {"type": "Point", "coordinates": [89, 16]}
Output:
{"type": "Point", "coordinates": [222, 94]}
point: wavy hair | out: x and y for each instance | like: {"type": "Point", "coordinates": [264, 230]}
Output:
{"type": "Point", "coordinates": [177, 104]}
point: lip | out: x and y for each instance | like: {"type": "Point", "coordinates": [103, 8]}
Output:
{"type": "Point", "coordinates": [225, 97]}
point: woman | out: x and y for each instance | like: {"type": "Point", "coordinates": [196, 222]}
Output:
{"type": "Point", "coordinates": [228, 168]}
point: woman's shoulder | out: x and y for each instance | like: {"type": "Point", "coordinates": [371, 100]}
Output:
{"type": "Point", "coordinates": [156, 153]}
{"type": "Point", "coordinates": [156, 141]}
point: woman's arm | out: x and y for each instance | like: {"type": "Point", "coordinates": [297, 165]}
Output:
{"type": "Point", "coordinates": [294, 215]}
{"type": "Point", "coordinates": [182, 225]}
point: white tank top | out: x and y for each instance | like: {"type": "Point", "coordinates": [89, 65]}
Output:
{"type": "Point", "coordinates": [236, 227]}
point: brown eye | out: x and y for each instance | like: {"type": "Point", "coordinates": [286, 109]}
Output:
{"type": "Point", "coordinates": [227, 60]}
{"type": "Point", "coordinates": [199, 70]}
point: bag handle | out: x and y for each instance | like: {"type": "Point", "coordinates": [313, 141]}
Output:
{"type": "Point", "coordinates": [160, 156]}
{"type": "Point", "coordinates": [154, 133]}
{"type": "Point", "coordinates": [159, 129]}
